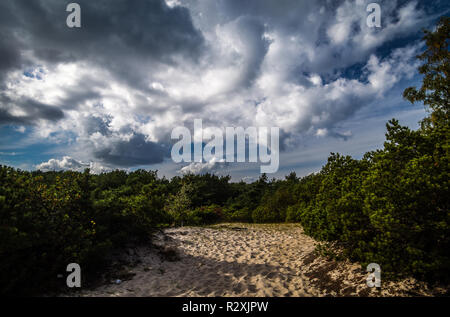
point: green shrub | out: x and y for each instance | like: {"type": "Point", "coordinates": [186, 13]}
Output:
{"type": "Point", "coordinates": [204, 215]}
{"type": "Point", "coordinates": [239, 215]}
{"type": "Point", "coordinates": [293, 212]}
{"type": "Point", "coordinates": [264, 214]}
{"type": "Point", "coordinates": [48, 220]}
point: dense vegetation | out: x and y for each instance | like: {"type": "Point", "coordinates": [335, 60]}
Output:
{"type": "Point", "coordinates": [391, 207]}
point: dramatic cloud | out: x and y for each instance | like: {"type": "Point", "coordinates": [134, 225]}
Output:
{"type": "Point", "coordinates": [27, 112]}
{"type": "Point", "coordinates": [134, 150]}
{"type": "Point", "coordinates": [114, 89]}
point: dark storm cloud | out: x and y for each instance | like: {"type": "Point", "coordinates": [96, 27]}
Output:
{"type": "Point", "coordinates": [34, 111]}
{"type": "Point", "coordinates": [135, 151]}
{"type": "Point", "coordinates": [127, 39]}
{"type": "Point", "coordinates": [251, 31]}
{"type": "Point", "coordinates": [9, 55]}
{"type": "Point", "coordinates": [97, 125]}
{"type": "Point", "coordinates": [110, 29]}
{"type": "Point", "coordinates": [85, 90]}
{"type": "Point", "coordinates": [117, 35]}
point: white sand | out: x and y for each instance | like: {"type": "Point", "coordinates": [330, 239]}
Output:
{"type": "Point", "coordinates": [247, 260]}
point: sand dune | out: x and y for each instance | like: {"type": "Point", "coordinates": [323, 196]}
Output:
{"type": "Point", "coordinates": [244, 260]}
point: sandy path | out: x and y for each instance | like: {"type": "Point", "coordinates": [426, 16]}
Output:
{"type": "Point", "coordinates": [245, 260]}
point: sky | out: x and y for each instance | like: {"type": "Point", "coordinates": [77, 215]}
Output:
{"type": "Point", "coordinates": [107, 95]}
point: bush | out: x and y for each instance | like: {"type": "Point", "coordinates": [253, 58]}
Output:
{"type": "Point", "coordinates": [48, 220]}
{"type": "Point", "coordinates": [44, 226]}
{"type": "Point", "coordinates": [293, 212]}
{"type": "Point", "coordinates": [264, 214]}
{"type": "Point", "coordinates": [405, 200]}
{"type": "Point", "coordinates": [204, 215]}
{"type": "Point", "coordinates": [239, 215]}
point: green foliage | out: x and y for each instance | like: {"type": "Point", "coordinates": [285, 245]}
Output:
{"type": "Point", "coordinates": [48, 220]}
{"type": "Point", "coordinates": [336, 210]}
{"type": "Point", "coordinates": [179, 204]}
{"type": "Point", "coordinates": [435, 90]}
{"type": "Point", "coordinates": [207, 189]}
{"type": "Point", "coordinates": [274, 205]}
{"type": "Point", "coordinates": [43, 225]}
{"type": "Point", "coordinates": [204, 215]}
{"type": "Point", "coordinates": [405, 199]}
{"type": "Point", "coordinates": [263, 214]}
{"type": "Point", "coordinates": [237, 215]}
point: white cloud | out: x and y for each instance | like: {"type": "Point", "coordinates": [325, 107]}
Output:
{"type": "Point", "coordinates": [68, 163]}
{"type": "Point", "coordinates": [201, 168]}
{"type": "Point", "coordinates": [248, 179]}
{"type": "Point", "coordinates": [322, 132]}
{"type": "Point", "coordinates": [21, 129]}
